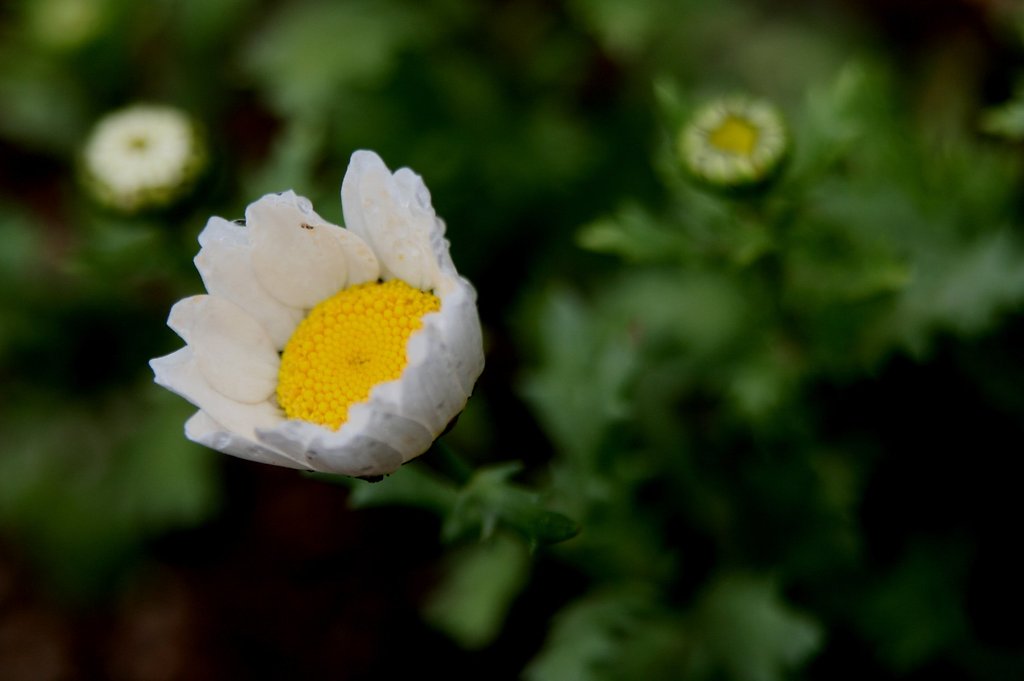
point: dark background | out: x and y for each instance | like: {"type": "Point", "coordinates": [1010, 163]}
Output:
{"type": "Point", "coordinates": [815, 483]}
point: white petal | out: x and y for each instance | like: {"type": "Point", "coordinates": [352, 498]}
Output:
{"type": "Point", "coordinates": [414, 192]}
{"type": "Point", "coordinates": [402, 417]}
{"type": "Point", "coordinates": [262, 277]}
{"type": "Point", "coordinates": [445, 358]}
{"type": "Point", "coordinates": [297, 255]}
{"type": "Point", "coordinates": [428, 391]}
{"type": "Point", "coordinates": [386, 423]}
{"type": "Point", "coordinates": [399, 422]}
{"type": "Point", "coordinates": [344, 452]}
{"type": "Point", "coordinates": [202, 429]}
{"type": "Point", "coordinates": [363, 265]}
{"type": "Point", "coordinates": [179, 372]}
{"type": "Point", "coordinates": [233, 352]}
{"type": "Point", "coordinates": [221, 230]}
{"type": "Point", "coordinates": [224, 263]}
{"type": "Point", "coordinates": [441, 250]}
{"type": "Point", "coordinates": [393, 214]}
{"type": "Point", "coordinates": [459, 327]}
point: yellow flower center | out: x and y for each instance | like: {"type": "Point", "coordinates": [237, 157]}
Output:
{"type": "Point", "coordinates": [735, 135]}
{"type": "Point", "coordinates": [352, 341]}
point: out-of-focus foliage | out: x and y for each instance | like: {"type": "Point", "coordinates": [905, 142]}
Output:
{"type": "Point", "coordinates": [83, 485]}
{"type": "Point", "coordinates": [1006, 120]}
{"type": "Point", "coordinates": [721, 435]}
{"type": "Point", "coordinates": [485, 501]}
{"type": "Point", "coordinates": [482, 580]}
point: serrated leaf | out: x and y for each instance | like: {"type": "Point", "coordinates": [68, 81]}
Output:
{"type": "Point", "coordinates": [702, 311]}
{"type": "Point", "coordinates": [490, 500]}
{"type": "Point", "coordinates": [961, 287]}
{"type": "Point", "coordinates": [577, 388]}
{"type": "Point", "coordinates": [618, 633]}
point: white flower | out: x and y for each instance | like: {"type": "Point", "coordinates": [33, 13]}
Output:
{"type": "Point", "coordinates": [734, 142]}
{"type": "Point", "coordinates": [380, 335]}
{"type": "Point", "coordinates": [144, 156]}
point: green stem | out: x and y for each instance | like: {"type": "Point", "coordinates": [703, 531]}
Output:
{"type": "Point", "coordinates": [451, 463]}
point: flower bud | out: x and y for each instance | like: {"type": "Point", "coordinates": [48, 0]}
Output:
{"type": "Point", "coordinates": [734, 143]}
{"type": "Point", "coordinates": [143, 157]}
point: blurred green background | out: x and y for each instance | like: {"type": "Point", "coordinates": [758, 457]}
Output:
{"type": "Point", "coordinates": [784, 423]}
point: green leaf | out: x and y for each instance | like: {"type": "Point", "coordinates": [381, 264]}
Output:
{"type": "Point", "coordinates": [636, 236]}
{"type": "Point", "coordinates": [1006, 120]}
{"type": "Point", "coordinates": [293, 156]}
{"type": "Point", "coordinates": [41, 106]}
{"type": "Point", "coordinates": [89, 483]}
{"type": "Point", "coordinates": [702, 311]}
{"type": "Point", "coordinates": [959, 286]}
{"type": "Point", "coordinates": [22, 247]}
{"type": "Point", "coordinates": [909, 613]}
{"type": "Point", "coordinates": [479, 585]}
{"type": "Point", "coordinates": [413, 485]}
{"type": "Point", "coordinates": [577, 388]}
{"type": "Point", "coordinates": [203, 25]}
{"type": "Point", "coordinates": [308, 53]}
{"type": "Point", "coordinates": [489, 500]}
{"type": "Point", "coordinates": [744, 630]}
{"type": "Point", "coordinates": [615, 633]}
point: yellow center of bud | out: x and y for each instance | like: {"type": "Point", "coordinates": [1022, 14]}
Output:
{"type": "Point", "coordinates": [349, 343]}
{"type": "Point", "coordinates": [735, 136]}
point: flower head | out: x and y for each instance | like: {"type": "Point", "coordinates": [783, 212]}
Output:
{"type": "Point", "coordinates": [343, 350]}
{"type": "Point", "coordinates": [142, 157]}
{"type": "Point", "coordinates": [734, 143]}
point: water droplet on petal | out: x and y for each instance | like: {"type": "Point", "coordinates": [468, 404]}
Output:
{"type": "Point", "coordinates": [423, 197]}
